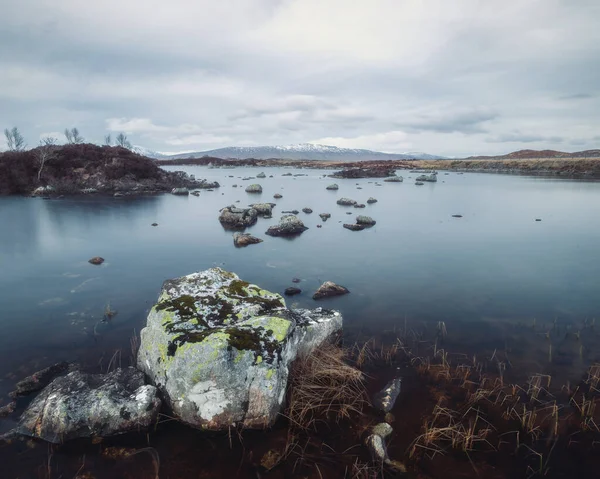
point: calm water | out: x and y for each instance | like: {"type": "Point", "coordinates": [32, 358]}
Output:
{"type": "Point", "coordinates": [494, 267]}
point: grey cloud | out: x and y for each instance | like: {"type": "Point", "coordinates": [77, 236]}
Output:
{"type": "Point", "coordinates": [524, 138]}
{"type": "Point", "coordinates": [576, 96]}
{"type": "Point", "coordinates": [467, 121]}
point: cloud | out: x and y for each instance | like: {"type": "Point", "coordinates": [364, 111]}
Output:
{"type": "Point", "coordinates": [453, 78]}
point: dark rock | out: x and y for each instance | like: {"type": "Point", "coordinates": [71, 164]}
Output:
{"type": "Point", "coordinates": [371, 201]}
{"type": "Point", "coordinates": [180, 191]}
{"type": "Point", "coordinates": [348, 212]}
{"type": "Point", "coordinates": [361, 205]}
{"type": "Point", "coordinates": [263, 209]}
{"type": "Point", "coordinates": [333, 187]}
{"type": "Point", "coordinates": [354, 227]}
{"type": "Point", "coordinates": [82, 405]}
{"type": "Point", "coordinates": [365, 220]}
{"type": "Point", "coordinates": [325, 216]}
{"type": "Point", "coordinates": [419, 183]}
{"type": "Point", "coordinates": [261, 175]}
{"type": "Point", "coordinates": [307, 210]}
{"type": "Point", "coordinates": [328, 289]}
{"type": "Point", "coordinates": [296, 280]}
{"type": "Point", "coordinates": [538, 219]}
{"type": "Point", "coordinates": [277, 196]}
{"type": "Point", "coordinates": [346, 202]}
{"type": "Point", "coordinates": [319, 226]}
{"type": "Point", "coordinates": [39, 379]}
{"type": "Point", "coordinates": [385, 399]}
{"type": "Point", "coordinates": [245, 239]}
{"type": "Point", "coordinates": [375, 172]}
{"type": "Point", "coordinates": [233, 217]}
{"type": "Point", "coordinates": [292, 291]}
{"type": "Point", "coordinates": [291, 212]}
{"type": "Point", "coordinates": [154, 224]}
{"type": "Point", "coordinates": [287, 174]}
{"type": "Point", "coordinates": [255, 188]}
{"type": "Point", "coordinates": [96, 260]}
{"type": "Point", "coordinates": [289, 225]}
{"type": "Point", "coordinates": [8, 409]}
{"type": "Point", "coordinates": [457, 216]}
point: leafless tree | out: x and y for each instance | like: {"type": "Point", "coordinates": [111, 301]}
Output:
{"type": "Point", "coordinates": [122, 140]}
{"type": "Point", "coordinates": [44, 153]}
{"type": "Point", "coordinates": [73, 137]}
{"type": "Point", "coordinates": [14, 139]}
{"type": "Point", "coordinates": [108, 140]}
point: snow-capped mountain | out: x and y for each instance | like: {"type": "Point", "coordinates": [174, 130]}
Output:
{"type": "Point", "coordinates": [303, 151]}
{"type": "Point", "coordinates": [140, 150]}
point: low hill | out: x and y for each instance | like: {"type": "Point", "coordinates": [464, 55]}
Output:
{"type": "Point", "coordinates": [539, 154]}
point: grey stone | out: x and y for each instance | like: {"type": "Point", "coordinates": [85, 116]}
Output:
{"type": "Point", "coordinates": [352, 227]}
{"type": "Point", "coordinates": [180, 191]}
{"type": "Point", "coordinates": [385, 399]}
{"type": "Point", "coordinates": [333, 186]}
{"type": "Point", "coordinates": [233, 217]}
{"type": "Point", "coordinates": [365, 220]}
{"type": "Point", "coordinates": [371, 201]}
{"type": "Point", "coordinates": [255, 188]}
{"type": "Point", "coordinates": [263, 209]}
{"type": "Point", "coordinates": [289, 225]}
{"type": "Point", "coordinates": [346, 202]}
{"type": "Point", "coordinates": [245, 239]}
{"type": "Point", "coordinates": [328, 289]}
{"type": "Point", "coordinates": [220, 349]}
{"type": "Point", "coordinates": [307, 210]}
{"type": "Point", "coordinates": [81, 405]}
{"type": "Point", "coordinates": [325, 216]}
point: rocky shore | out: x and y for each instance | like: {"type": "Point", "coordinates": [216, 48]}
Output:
{"type": "Point", "coordinates": [88, 169]}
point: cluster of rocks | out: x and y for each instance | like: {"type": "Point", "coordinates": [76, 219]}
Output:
{"type": "Point", "coordinates": [429, 178]}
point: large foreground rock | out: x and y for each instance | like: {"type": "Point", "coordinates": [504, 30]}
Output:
{"type": "Point", "coordinates": [233, 217]}
{"type": "Point", "coordinates": [220, 348]}
{"type": "Point", "coordinates": [91, 405]}
{"type": "Point", "coordinates": [289, 225]}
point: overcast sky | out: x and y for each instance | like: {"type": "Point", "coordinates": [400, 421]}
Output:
{"type": "Point", "coordinates": [450, 77]}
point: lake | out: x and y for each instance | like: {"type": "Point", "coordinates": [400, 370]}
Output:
{"type": "Point", "coordinates": [491, 276]}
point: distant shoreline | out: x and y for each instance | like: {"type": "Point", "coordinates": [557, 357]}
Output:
{"type": "Point", "coordinates": [561, 167]}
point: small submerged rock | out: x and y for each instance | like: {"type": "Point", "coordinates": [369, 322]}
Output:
{"type": "Point", "coordinates": [255, 188]}
{"type": "Point", "coordinates": [245, 239]}
{"type": "Point", "coordinates": [328, 289]}
{"type": "Point", "coordinates": [354, 227]}
{"type": "Point", "coordinates": [394, 179]}
{"type": "Point", "coordinates": [289, 225]}
{"type": "Point", "coordinates": [371, 200]}
{"type": "Point", "coordinates": [307, 210]}
{"type": "Point", "coordinates": [291, 212]}
{"type": "Point", "coordinates": [538, 219]}
{"type": "Point", "coordinates": [457, 216]}
{"type": "Point", "coordinates": [346, 202]}
{"type": "Point", "coordinates": [277, 196]}
{"type": "Point", "coordinates": [154, 224]}
{"type": "Point", "coordinates": [261, 175]}
{"type": "Point", "coordinates": [287, 174]}
{"type": "Point", "coordinates": [291, 291]}
{"type": "Point", "coordinates": [419, 183]}
{"type": "Point", "coordinates": [180, 191]}
{"type": "Point", "coordinates": [361, 205]}
{"type": "Point", "coordinates": [96, 260]}
{"type": "Point", "coordinates": [333, 187]}
{"type": "Point", "coordinates": [385, 399]}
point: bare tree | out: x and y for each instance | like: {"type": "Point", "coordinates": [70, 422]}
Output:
{"type": "Point", "coordinates": [14, 139]}
{"type": "Point", "coordinates": [108, 140]}
{"type": "Point", "coordinates": [122, 140]}
{"type": "Point", "coordinates": [44, 153]}
{"type": "Point", "coordinates": [73, 137]}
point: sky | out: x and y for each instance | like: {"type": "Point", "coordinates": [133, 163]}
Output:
{"type": "Point", "coordinates": [454, 78]}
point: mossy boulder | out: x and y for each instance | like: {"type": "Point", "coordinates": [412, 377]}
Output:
{"type": "Point", "coordinates": [219, 348]}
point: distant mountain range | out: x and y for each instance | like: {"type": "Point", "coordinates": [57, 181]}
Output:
{"type": "Point", "coordinates": [538, 154]}
{"type": "Point", "coordinates": [303, 151]}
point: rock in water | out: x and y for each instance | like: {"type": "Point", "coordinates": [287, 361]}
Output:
{"type": "Point", "coordinates": [346, 202]}
{"type": "Point", "coordinates": [359, 205]}
{"type": "Point", "coordinates": [329, 288]}
{"type": "Point", "coordinates": [220, 348]}
{"type": "Point", "coordinates": [394, 179]}
{"type": "Point", "coordinates": [307, 210]}
{"type": "Point", "coordinates": [233, 217]}
{"type": "Point", "coordinates": [254, 188]}
{"type": "Point", "coordinates": [385, 399]}
{"type": "Point", "coordinates": [371, 200]}
{"type": "Point", "coordinates": [263, 209]}
{"type": "Point", "coordinates": [245, 239]}
{"type": "Point", "coordinates": [291, 291]}
{"type": "Point", "coordinates": [333, 187]}
{"type": "Point", "coordinates": [96, 260]}
{"type": "Point", "coordinates": [180, 191]}
{"type": "Point", "coordinates": [39, 379]}
{"type": "Point", "coordinates": [289, 225]}
{"type": "Point", "coordinates": [261, 175]}
{"type": "Point", "coordinates": [432, 177]}
{"type": "Point", "coordinates": [354, 227]}
{"type": "Point", "coordinates": [365, 220]}
{"type": "Point", "coordinates": [324, 216]}
{"type": "Point", "coordinates": [91, 405]}
{"type": "Point", "coordinates": [277, 196]}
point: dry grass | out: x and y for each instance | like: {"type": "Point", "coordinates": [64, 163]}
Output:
{"type": "Point", "coordinates": [323, 386]}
